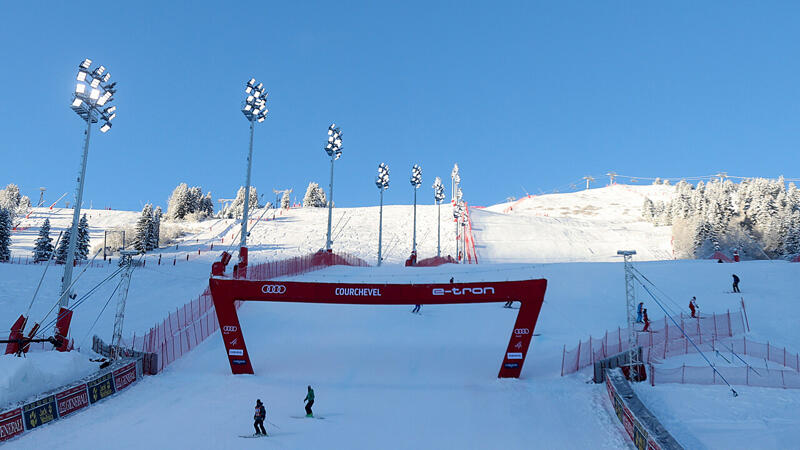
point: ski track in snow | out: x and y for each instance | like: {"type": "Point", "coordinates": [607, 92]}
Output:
{"type": "Point", "coordinates": [385, 378]}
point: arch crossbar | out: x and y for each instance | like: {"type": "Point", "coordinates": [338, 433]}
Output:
{"type": "Point", "coordinates": [226, 291]}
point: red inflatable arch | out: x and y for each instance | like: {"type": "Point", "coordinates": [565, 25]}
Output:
{"type": "Point", "coordinates": [530, 293]}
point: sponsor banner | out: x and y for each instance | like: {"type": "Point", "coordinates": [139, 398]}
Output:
{"type": "Point", "coordinates": [101, 387]}
{"type": "Point", "coordinates": [11, 424]}
{"type": "Point", "coordinates": [521, 331]}
{"type": "Point", "coordinates": [514, 355]}
{"type": "Point", "coordinates": [39, 412]}
{"type": "Point", "coordinates": [358, 292]}
{"type": "Point", "coordinates": [464, 291]}
{"type": "Point", "coordinates": [125, 376]}
{"type": "Point", "coordinates": [511, 365]}
{"type": "Point", "coordinates": [72, 400]}
{"type": "Point", "coordinates": [236, 352]}
{"type": "Point", "coordinates": [273, 289]}
{"type": "Point", "coordinates": [239, 361]}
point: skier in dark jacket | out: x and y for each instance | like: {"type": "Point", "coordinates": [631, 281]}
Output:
{"type": "Point", "coordinates": [310, 399]}
{"type": "Point", "coordinates": [693, 306]}
{"type": "Point", "coordinates": [639, 312]}
{"type": "Point", "coordinates": [259, 417]}
{"type": "Point", "coordinates": [735, 283]}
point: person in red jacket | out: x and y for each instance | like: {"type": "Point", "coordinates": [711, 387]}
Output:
{"type": "Point", "coordinates": [693, 306]}
{"type": "Point", "coordinates": [646, 320]}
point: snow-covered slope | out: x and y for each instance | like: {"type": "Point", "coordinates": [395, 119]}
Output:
{"type": "Point", "coordinates": [588, 225]}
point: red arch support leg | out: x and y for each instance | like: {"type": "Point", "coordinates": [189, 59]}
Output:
{"type": "Point", "coordinates": [530, 293]}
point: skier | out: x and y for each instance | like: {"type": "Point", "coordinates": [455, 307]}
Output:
{"type": "Point", "coordinates": [259, 417]}
{"type": "Point", "coordinates": [735, 283]}
{"type": "Point", "coordinates": [310, 399]}
{"type": "Point", "coordinates": [693, 306]}
{"type": "Point", "coordinates": [639, 312]}
{"type": "Point", "coordinates": [416, 309]}
{"type": "Point", "coordinates": [646, 320]}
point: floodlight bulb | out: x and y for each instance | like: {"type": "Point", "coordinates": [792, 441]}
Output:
{"type": "Point", "coordinates": [251, 82]}
{"type": "Point", "coordinates": [81, 76]}
{"type": "Point", "coordinates": [107, 77]}
{"type": "Point", "coordinates": [80, 88]}
{"type": "Point", "coordinates": [95, 94]}
{"type": "Point", "coordinates": [77, 103]}
{"type": "Point", "coordinates": [111, 117]}
{"type": "Point", "coordinates": [106, 126]}
{"type": "Point", "coordinates": [247, 107]}
{"type": "Point", "coordinates": [249, 98]}
{"type": "Point", "coordinates": [248, 90]}
{"type": "Point", "coordinates": [110, 109]}
{"type": "Point", "coordinates": [95, 82]}
{"type": "Point", "coordinates": [260, 119]}
{"type": "Point", "coordinates": [86, 63]}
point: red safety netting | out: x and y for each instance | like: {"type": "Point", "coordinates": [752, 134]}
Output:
{"type": "Point", "coordinates": [190, 325]}
{"type": "Point", "coordinates": [663, 334]}
{"type": "Point", "coordinates": [436, 261]}
{"type": "Point", "coordinates": [747, 376]}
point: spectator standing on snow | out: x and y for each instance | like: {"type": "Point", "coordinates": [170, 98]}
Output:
{"type": "Point", "coordinates": [693, 306]}
{"type": "Point", "coordinates": [646, 320]}
{"type": "Point", "coordinates": [639, 312]}
{"type": "Point", "coordinates": [310, 399]}
{"type": "Point", "coordinates": [259, 417]}
{"type": "Point", "coordinates": [735, 283]}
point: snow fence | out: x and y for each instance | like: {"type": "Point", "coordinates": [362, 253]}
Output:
{"type": "Point", "coordinates": [56, 404]}
{"type": "Point", "coordinates": [664, 334]}
{"type": "Point", "coordinates": [787, 376]}
{"type": "Point", "coordinates": [642, 426]}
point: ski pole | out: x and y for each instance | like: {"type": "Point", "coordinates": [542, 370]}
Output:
{"type": "Point", "coordinates": [273, 425]}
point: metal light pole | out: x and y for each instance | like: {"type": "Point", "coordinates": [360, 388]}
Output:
{"type": "Point", "coordinates": [382, 181]}
{"type": "Point", "coordinates": [126, 259]}
{"type": "Point", "coordinates": [255, 110]}
{"type": "Point", "coordinates": [91, 94]}
{"type": "Point", "coordinates": [416, 181]}
{"type": "Point", "coordinates": [630, 301]}
{"type": "Point", "coordinates": [438, 196]}
{"type": "Point", "coordinates": [455, 180]}
{"type": "Point", "coordinates": [334, 150]}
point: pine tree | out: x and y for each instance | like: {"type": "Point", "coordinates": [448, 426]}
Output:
{"type": "Point", "coordinates": [177, 206]}
{"type": "Point", "coordinates": [5, 235]}
{"type": "Point", "coordinates": [207, 205]}
{"type": "Point", "coordinates": [43, 248]}
{"type": "Point", "coordinates": [286, 202]}
{"type": "Point", "coordinates": [315, 196]}
{"type": "Point", "coordinates": [236, 208]}
{"type": "Point", "coordinates": [82, 245]}
{"type": "Point", "coordinates": [155, 235]}
{"type": "Point", "coordinates": [63, 245]}
{"type": "Point", "coordinates": [144, 227]}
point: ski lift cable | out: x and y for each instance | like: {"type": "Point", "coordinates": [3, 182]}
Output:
{"type": "Point", "coordinates": [735, 394]}
{"type": "Point", "coordinates": [78, 302]}
{"type": "Point", "coordinates": [70, 286]}
{"type": "Point", "coordinates": [336, 236]}
{"type": "Point", "coordinates": [664, 294]}
{"type": "Point", "coordinates": [101, 312]}
{"type": "Point", "coordinates": [49, 260]}
{"type": "Point", "coordinates": [730, 349]}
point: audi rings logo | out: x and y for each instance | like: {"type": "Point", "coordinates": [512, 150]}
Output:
{"type": "Point", "coordinates": [273, 289]}
{"type": "Point", "coordinates": [229, 329]}
{"type": "Point", "coordinates": [522, 331]}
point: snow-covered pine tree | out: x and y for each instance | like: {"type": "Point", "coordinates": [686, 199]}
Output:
{"type": "Point", "coordinates": [5, 235]}
{"type": "Point", "coordinates": [177, 203]}
{"type": "Point", "coordinates": [155, 235]}
{"type": "Point", "coordinates": [144, 227]}
{"type": "Point", "coordinates": [286, 202]}
{"type": "Point", "coordinates": [315, 196]}
{"type": "Point", "coordinates": [63, 245]}
{"type": "Point", "coordinates": [82, 245]}
{"type": "Point", "coordinates": [207, 205]}
{"type": "Point", "coordinates": [10, 198]}
{"type": "Point", "coordinates": [235, 209]}
{"type": "Point", "coordinates": [43, 248]}
{"type": "Point", "coordinates": [791, 244]}
{"type": "Point", "coordinates": [194, 200]}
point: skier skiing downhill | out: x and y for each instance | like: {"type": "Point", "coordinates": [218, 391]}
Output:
{"type": "Point", "coordinates": [693, 306]}
{"type": "Point", "coordinates": [259, 417]}
{"type": "Point", "coordinates": [310, 399]}
{"type": "Point", "coordinates": [646, 320]}
{"type": "Point", "coordinates": [639, 312]}
{"type": "Point", "coordinates": [735, 283]}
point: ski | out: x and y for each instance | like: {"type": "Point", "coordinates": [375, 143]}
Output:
{"type": "Point", "coordinates": [253, 436]}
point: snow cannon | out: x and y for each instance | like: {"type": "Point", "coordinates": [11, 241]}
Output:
{"type": "Point", "coordinates": [218, 267]}
{"type": "Point", "coordinates": [15, 335]}
{"type": "Point", "coordinates": [242, 269]}
{"type": "Point", "coordinates": [61, 330]}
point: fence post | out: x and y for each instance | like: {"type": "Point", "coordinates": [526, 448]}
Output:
{"type": "Point", "coordinates": [563, 355]}
{"type": "Point", "coordinates": [768, 351]}
{"type": "Point", "coordinates": [578, 359]}
{"type": "Point", "coordinates": [591, 351]}
{"type": "Point", "coordinates": [730, 328]}
{"type": "Point", "coordinates": [714, 316]}
{"type": "Point", "coordinates": [744, 315]}
{"type": "Point", "coordinates": [683, 374]}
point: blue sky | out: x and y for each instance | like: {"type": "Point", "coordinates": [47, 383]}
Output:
{"type": "Point", "coordinates": [524, 96]}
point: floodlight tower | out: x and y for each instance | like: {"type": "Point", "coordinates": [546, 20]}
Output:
{"type": "Point", "coordinates": [254, 110]}
{"type": "Point", "coordinates": [334, 150]}
{"type": "Point", "coordinates": [92, 102]}
{"type": "Point", "coordinates": [416, 181]}
{"type": "Point", "coordinates": [382, 181]}
{"type": "Point", "coordinates": [630, 302]}
{"type": "Point", "coordinates": [438, 196]}
{"type": "Point", "coordinates": [458, 213]}
{"type": "Point", "coordinates": [455, 180]}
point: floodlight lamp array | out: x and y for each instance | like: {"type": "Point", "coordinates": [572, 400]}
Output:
{"type": "Point", "coordinates": [438, 190]}
{"type": "Point", "coordinates": [92, 93]}
{"type": "Point", "coordinates": [416, 176]}
{"type": "Point", "coordinates": [255, 104]}
{"type": "Point", "coordinates": [334, 146]}
{"type": "Point", "coordinates": [382, 180]}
